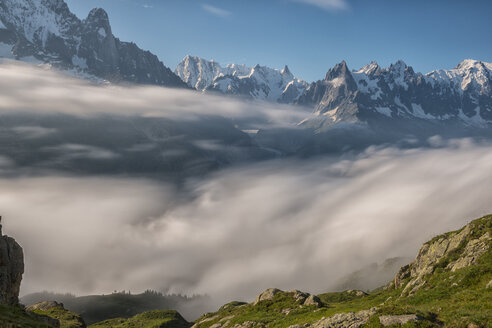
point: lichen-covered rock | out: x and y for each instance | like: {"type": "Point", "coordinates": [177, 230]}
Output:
{"type": "Point", "coordinates": [346, 320]}
{"type": "Point", "coordinates": [249, 324]}
{"type": "Point", "coordinates": [388, 320]}
{"type": "Point", "coordinates": [299, 296]}
{"type": "Point", "coordinates": [11, 270]}
{"type": "Point", "coordinates": [267, 295]}
{"type": "Point", "coordinates": [313, 300]}
{"type": "Point", "coordinates": [462, 248]}
{"type": "Point", "coordinates": [358, 293]}
{"type": "Point", "coordinates": [473, 250]}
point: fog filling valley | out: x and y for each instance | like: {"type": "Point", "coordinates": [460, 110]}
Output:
{"type": "Point", "coordinates": [285, 223]}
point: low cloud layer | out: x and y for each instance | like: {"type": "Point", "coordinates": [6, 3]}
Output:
{"type": "Point", "coordinates": [26, 88]}
{"type": "Point", "coordinates": [288, 224]}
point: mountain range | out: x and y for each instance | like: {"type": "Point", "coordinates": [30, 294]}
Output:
{"type": "Point", "coordinates": [45, 31]}
{"type": "Point", "coordinates": [461, 94]}
{"type": "Point", "coordinates": [258, 82]}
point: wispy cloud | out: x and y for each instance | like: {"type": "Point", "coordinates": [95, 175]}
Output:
{"type": "Point", "coordinates": [216, 11]}
{"type": "Point", "coordinates": [148, 6]}
{"type": "Point", "coordinates": [327, 4]}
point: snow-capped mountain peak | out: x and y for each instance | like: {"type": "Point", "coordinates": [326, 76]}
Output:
{"type": "Point", "coordinates": [45, 31]}
{"type": "Point", "coordinates": [370, 69]}
{"type": "Point", "coordinates": [460, 94]}
{"type": "Point", "coordinates": [258, 82]}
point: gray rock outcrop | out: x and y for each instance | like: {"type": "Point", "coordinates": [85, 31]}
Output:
{"type": "Point", "coordinates": [455, 250]}
{"type": "Point", "coordinates": [346, 320]}
{"type": "Point", "coordinates": [11, 269]}
{"type": "Point", "coordinates": [388, 320]}
{"type": "Point", "coordinates": [300, 297]}
{"type": "Point", "coordinates": [267, 295]}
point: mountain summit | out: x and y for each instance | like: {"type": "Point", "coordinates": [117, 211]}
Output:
{"type": "Point", "coordinates": [45, 31]}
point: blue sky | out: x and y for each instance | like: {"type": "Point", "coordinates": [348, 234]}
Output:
{"type": "Point", "coordinates": [309, 35]}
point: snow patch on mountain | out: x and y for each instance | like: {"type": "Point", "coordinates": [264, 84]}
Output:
{"type": "Point", "coordinates": [38, 19]}
{"type": "Point", "coordinates": [468, 74]}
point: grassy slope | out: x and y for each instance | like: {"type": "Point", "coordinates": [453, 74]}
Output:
{"type": "Point", "coordinates": [16, 317]}
{"type": "Point", "coordinates": [449, 299]}
{"type": "Point", "coordinates": [96, 308]}
{"type": "Point", "coordinates": [439, 301]}
{"type": "Point", "coordinates": [151, 319]}
{"type": "Point", "coordinates": [67, 319]}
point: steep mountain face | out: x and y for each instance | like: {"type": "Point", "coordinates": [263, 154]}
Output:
{"type": "Point", "coordinates": [46, 31]}
{"type": "Point", "coordinates": [462, 94]}
{"type": "Point", "coordinates": [11, 269]}
{"type": "Point", "coordinates": [257, 82]}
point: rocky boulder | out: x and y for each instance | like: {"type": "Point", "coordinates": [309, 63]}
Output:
{"type": "Point", "coordinates": [267, 295]}
{"type": "Point", "coordinates": [11, 269]}
{"type": "Point", "coordinates": [346, 320]}
{"type": "Point", "coordinates": [301, 298]}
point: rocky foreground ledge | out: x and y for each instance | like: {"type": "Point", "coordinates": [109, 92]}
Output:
{"type": "Point", "coordinates": [449, 284]}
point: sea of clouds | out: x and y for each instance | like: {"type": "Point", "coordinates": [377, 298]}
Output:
{"type": "Point", "coordinates": [285, 223]}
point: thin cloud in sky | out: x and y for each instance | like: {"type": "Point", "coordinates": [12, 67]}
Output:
{"type": "Point", "coordinates": [148, 6]}
{"type": "Point", "coordinates": [216, 11]}
{"type": "Point", "coordinates": [327, 4]}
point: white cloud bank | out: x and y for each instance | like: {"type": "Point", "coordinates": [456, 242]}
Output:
{"type": "Point", "coordinates": [28, 88]}
{"type": "Point", "coordinates": [288, 224]}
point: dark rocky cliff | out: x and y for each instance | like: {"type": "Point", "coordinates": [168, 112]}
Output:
{"type": "Point", "coordinates": [11, 269]}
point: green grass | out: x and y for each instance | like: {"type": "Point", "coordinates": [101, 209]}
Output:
{"type": "Point", "coordinates": [14, 317]}
{"type": "Point", "coordinates": [151, 319]}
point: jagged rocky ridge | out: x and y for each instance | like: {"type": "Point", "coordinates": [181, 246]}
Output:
{"type": "Point", "coordinates": [45, 31]}
{"type": "Point", "coordinates": [258, 82]}
{"type": "Point", "coordinates": [463, 94]}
